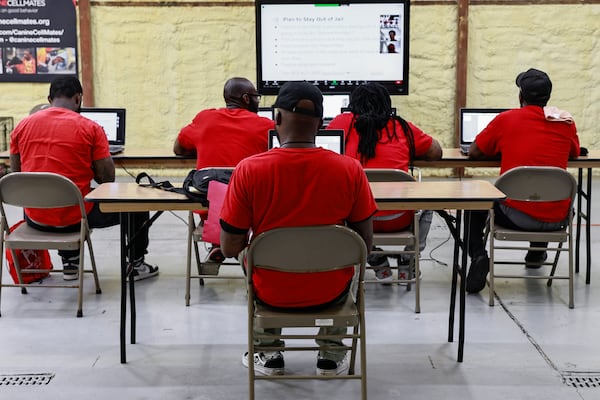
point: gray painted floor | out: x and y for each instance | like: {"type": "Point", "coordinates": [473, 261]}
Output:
{"type": "Point", "coordinates": [522, 348]}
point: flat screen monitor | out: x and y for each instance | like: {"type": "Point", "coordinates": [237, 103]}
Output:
{"type": "Point", "coordinates": [332, 104]}
{"type": "Point", "coordinates": [335, 46]}
{"type": "Point", "coordinates": [331, 139]}
{"type": "Point", "coordinates": [111, 119]}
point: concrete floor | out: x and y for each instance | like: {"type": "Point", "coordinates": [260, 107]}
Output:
{"type": "Point", "coordinates": [530, 345]}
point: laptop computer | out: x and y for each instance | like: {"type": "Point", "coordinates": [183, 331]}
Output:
{"type": "Point", "coordinates": [332, 104]}
{"type": "Point", "coordinates": [473, 121]}
{"type": "Point", "coordinates": [331, 139]}
{"type": "Point", "coordinates": [113, 122]}
{"type": "Point", "coordinates": [266, 112]}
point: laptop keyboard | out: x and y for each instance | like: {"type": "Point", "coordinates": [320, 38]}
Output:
{"type": "Point", "coordinates": [115, 148]}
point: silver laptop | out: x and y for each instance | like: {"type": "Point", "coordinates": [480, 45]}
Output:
{"type": "Point", "coordinates": [331, 139]}
{"type": "Point", "coordinates": [472, 122]}
{"type": "Point", "coordinates": [113, 122]}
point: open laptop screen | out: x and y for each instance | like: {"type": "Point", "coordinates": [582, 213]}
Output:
{"type": "Point", "coordinates": [266, 112]}
{"type": "Point", "coordinates": [331, 139]}
{"type": "Point", "coordinates": [111, 119]}
{"type": "Point", "coordinates": [474, 120]}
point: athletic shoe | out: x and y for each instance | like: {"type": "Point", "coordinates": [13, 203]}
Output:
{"type": "Point", "coordinates": [70, 272]}
{"type": "Point", "coordinates": [143, 270]}
{"type": "Point", "coordinates": [215, 255]}
{"type": "Point", "coordinates": [381, 266]}
{"type": "Point", "coordinates": [535, 258]}
{"type": "Point", "coordinates": [266, 363]}
{"type": "Point", "coordinates": [480, 266]}
{"type": "Point", "coordinates": [327, 367]}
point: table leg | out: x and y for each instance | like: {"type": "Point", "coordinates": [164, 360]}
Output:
{"type": "Point", "coordinates": [454, 225]}
{"type": "Point", "coordinates": [579, 217]}
{"type": "Point", "coordinates": [131, 256]}
{"type": "Point", "coordinates": [124, 222]}
{"type": "Point", "coordinates": [588, 230]}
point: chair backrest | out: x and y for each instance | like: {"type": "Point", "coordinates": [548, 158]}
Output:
{"type": "Point", "coordinates": [40, 190]}
{"type": "Point", "coordinates": [536, 184]}
{"type": "Point", "coordinates": [307, 249]}
{"type": "Point", "coordinates": [387, 175]}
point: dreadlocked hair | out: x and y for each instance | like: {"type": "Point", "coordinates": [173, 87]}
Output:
{"type": "Point", "coordinates": [371, 107]}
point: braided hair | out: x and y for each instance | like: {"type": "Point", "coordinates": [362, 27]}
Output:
{"type": "Point", "coordinates": [371, 107]}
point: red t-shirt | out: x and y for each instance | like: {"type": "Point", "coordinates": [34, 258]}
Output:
{"type": "Point", "coordinates": [524, 137]}
{"type": "Point", "coordinates": [223, 137]}
{"type": "Point", "coordinates": [388, 154]}
{"type": "Point", "coordinates": [61, 141]}
{"type": "Point", "coordinates": [297, 187]}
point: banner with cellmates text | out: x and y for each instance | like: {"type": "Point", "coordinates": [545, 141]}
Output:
{"type": "Point", "coordinates": [38, 40]}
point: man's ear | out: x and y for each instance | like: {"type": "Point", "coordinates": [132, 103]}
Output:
{"type": "Point", "coordinates": [321, 123]}
{"type": "Point", "coordinates": [278, 118]}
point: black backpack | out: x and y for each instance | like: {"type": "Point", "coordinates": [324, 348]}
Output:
{"type": "Point", "coordinates": [195, 185]}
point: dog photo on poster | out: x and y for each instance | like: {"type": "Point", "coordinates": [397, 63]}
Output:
{"type": "Point", "coordinates": [38, 40]}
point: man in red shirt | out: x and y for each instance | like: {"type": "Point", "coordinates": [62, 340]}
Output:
{"type": "Point", "coordinates": [222, 137]}
{"type": "Point", "coordinates": [297, 184]}
{"type": "Point", "coordinates": [379, 138]}
{"type": "Point", "coordinates": [58, 139]}
{"type": "Point", "coordinates": [522, 136]}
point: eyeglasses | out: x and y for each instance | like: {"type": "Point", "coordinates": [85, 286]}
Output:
{"type": "Point", "coordinates": [258, 96]}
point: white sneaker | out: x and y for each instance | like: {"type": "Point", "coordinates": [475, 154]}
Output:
{"type": "Point", "coordinates": [327, 367]}
{"type": "Point", "coordinates": [267, 363]}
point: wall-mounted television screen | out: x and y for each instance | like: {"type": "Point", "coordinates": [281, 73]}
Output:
{"type": "Point", "coordinates": [336, 46]}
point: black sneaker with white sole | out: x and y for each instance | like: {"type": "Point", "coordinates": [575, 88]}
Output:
{"type": "Point", "coordinates": [266, 363]}
{"type": "Point", "coordinates": [143, 270]}
{"type": "Point", "coordinates": [327, 367]}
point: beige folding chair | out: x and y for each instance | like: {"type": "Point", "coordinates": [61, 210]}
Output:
{"type": "Point", "coordinates": [44, 190]}
{"type": "Point", "coordinates": [206, 269]}
{"type": "Point", "coordinates": [533, 184]}
{"type": "Point", "coordinates": [394, 242]}
{"type": "Point", "coordinates": [305, 250]}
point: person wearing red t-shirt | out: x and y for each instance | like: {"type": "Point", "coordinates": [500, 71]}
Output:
{"type": "Point", "coordinates": [58, 139]}
{"type": "Point", "coordinates": [379, 139]}
{"type": "Point", "coordinates": [222, 137]}
{"type": "Point", "coordinates": [522, 136]}
{"type": "Point", "coordinates": [297, 184]}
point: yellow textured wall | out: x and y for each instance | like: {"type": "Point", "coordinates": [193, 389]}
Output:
{"type": "Point", "coordinates": [165, 63]}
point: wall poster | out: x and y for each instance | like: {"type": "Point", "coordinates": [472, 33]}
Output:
{"type": "Point", "coordinates": [38, 40]}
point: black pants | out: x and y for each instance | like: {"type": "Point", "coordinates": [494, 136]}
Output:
{"type": "Point", "coordinates": [509, 218]}
{"type": "Point", "coordinates": [98, 219]}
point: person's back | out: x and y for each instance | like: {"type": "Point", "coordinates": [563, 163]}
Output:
{"type": "Point", "coordinates": [222, 137]}
{"type": "Point", "coordinates": [525, 137]}
{"type": "Point", "coordinates": [522, 137]}
{"type": "Point", "coordinates": [379, 139]}
{"type": "Point", "coordinates": [295, 185]}
{"type": "Point", "coordinates": [59, 140]}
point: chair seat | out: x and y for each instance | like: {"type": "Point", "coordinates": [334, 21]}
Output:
{"type": "Point", "coordinates": [394, 238]}
{"type": "Point", "coordinates": [26, 237]}
{"type": "Point", "coordinates": [501, 233]}
{"type": "Point", "coordinates": [345, 314]}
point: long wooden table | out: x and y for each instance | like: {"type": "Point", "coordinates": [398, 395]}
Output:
{"type": "Point", "coordinates": [125, 198]}
{"type": "Point", "coordinates": [452, 158]}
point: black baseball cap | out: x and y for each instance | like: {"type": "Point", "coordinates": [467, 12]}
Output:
{"type": "Point", "coordinates": [535, 86]}
{"type": "Point", "coordinates": [292, 92]}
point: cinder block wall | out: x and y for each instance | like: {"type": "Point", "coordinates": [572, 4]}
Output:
{"type": "Point", "coordinates": [164, 62]}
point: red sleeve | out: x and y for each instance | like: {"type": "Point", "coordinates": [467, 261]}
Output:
{"type": "Point", "coordinates": [236, 209]}
{"type": "Point", "coordinates": [364, 205]}
{"type": "Point", "coordinates": [422, 140]}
